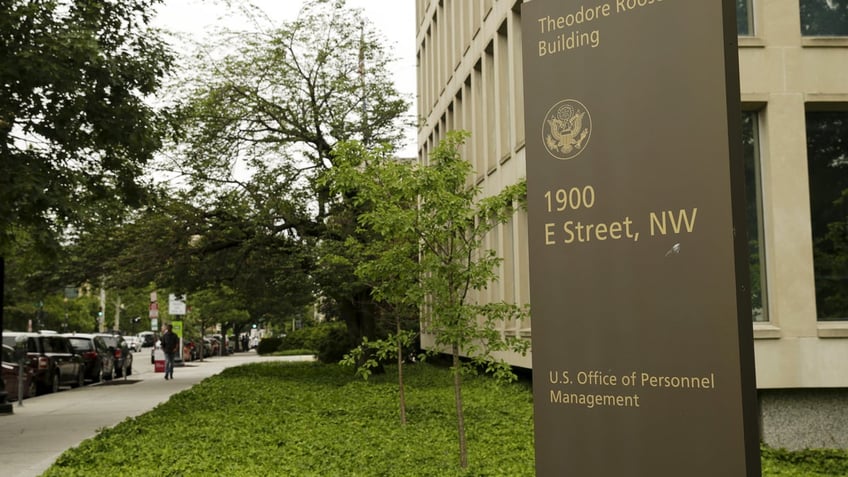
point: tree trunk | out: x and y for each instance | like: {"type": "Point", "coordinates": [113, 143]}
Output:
{"type": "Point", "coordinates": [201, 341]}
{"type": "Point", "coordinates": [358, 313]}
{"type": "Point", "coordinates": [401, 395]}
{"type": "Point", "coordinates": [460, 417]}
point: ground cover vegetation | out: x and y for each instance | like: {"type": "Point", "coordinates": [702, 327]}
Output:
{"type": "Point", "coordinates": [316, 420]}
{"type": "Point", "coordinates": [312, 419]}
{"type": "Point", "coordinates": [804, 463]}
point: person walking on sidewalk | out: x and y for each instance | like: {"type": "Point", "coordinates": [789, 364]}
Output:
{"type": "Point", "coordinates": [170, 343]}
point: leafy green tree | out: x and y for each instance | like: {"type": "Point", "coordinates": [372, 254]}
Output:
{"type": "Point", "coordinates": [262, 120]}
{"type": "Point", "coordinates": [74, 125]}
{"type": "Point", "coordinates": [191, 242]}
{"type": "Point", "coordinates": [432, 207]}
{"type": "Point", "coordinates": [212, 306]}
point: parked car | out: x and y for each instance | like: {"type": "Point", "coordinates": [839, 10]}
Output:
{"type": "Point", "coordinates": [11, 370]}
{"type": "Point", "coordinates": [52, 360]}
{"type": "Point", "coordinates": [99, 361]}
{"type": "Point", "coordinates": [134, 342]}
{"type": "Point", "coordinates": [121, 351]}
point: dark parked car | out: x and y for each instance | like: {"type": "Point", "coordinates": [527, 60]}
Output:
{"type": "Point", "coordinates": [98, 359]}
{"type": "Point", "coordinates": [11, 368]}
{"type": "Point", "coordinates": [52, 360]}
{"type": "Point", "coordinates": [122, 353]}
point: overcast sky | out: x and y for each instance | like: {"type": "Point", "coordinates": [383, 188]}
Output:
{"type": "Point", "coordinates": [394, 18]}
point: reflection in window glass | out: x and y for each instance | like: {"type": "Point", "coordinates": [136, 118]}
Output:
{"type": "Point", "coordinates": [744, 18]}
{"type": "Point", "coordinates": [753, 208]}
{"type": "Point", "coordinates": [824, 17]}
{"type": "Point", "coordinates": [827, 161]}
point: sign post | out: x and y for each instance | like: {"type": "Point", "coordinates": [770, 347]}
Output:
{"type": "Point", "coordinates": [642, 336]}
{"type": "Point", "coordinates": [177, 308]}
{"type": "Point", "coordinates": [153, 312]}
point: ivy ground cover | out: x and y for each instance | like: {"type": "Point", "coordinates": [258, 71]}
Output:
{"type": "Point", "coordinates": [310, 419]}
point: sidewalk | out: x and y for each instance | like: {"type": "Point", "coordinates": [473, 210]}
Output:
{"type": "Point", "coordinates": [38, 432]}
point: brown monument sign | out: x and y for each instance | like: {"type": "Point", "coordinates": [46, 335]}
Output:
{"type": "Point", "coordinates": [642, 337]}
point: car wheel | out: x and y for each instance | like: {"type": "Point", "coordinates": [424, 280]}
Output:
{"type": "Point", "coordinates": [129, 371]}
{"type": "Point", "coordinates": [108, 376]}
{"type": "Point", "coordinates": [33, 389]}
{"type": "Point", "coordinates": [95, 376]}
{"type": "Point", "coordinates": [54, 382]}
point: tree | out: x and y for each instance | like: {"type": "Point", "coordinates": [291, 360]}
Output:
{"type": "Point", "coordinates": [195, 243]}
{"type": "Point", "coordinates": [215, 305]}
{"type": "Point", "coordinates": [433, 207]}
{"type": "Point", "coordinates": [271, 106]}
{"type": "Point", "coordinates": [74, 125]}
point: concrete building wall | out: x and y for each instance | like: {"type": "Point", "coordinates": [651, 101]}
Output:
{"type": "Point", "coordinates": [470, 77]}
{"type": "Point", "coordinates": [804, 418]}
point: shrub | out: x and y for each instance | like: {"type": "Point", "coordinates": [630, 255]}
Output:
{"type": "Point", "coordinates": [269, 345]}
{"type": "Point", "coordinates": [334, 344]}
{"type": "Point", "coordinates": [810, 462]}
{"type": "Point", "coordinates": [329, 341]}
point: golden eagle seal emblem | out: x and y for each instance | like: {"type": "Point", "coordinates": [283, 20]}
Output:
{"type": "Point", "coordinates": [567, 128]}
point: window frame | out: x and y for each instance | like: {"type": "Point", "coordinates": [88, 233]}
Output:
{"type": "Point", "coordinates": [755, 112]}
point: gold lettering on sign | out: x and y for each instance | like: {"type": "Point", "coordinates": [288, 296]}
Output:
{"type": "Point", "coordinates": [572, 29]}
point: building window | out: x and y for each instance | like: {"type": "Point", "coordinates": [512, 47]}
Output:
{"type": "Point", "coordinates": [744, 18]}
{"type": "Point", "coordinates": [827, 162]}
{"type": "Point", "coordinates": [754, 207]}
{"type": "Point", "coordinates": [824, 17]}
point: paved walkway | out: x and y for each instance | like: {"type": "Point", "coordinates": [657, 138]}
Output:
{"type": "Point", "coordinates": [38, 432]}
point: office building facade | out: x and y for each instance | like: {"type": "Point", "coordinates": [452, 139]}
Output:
{"type": "Point", "coordinates": [793, 60]}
